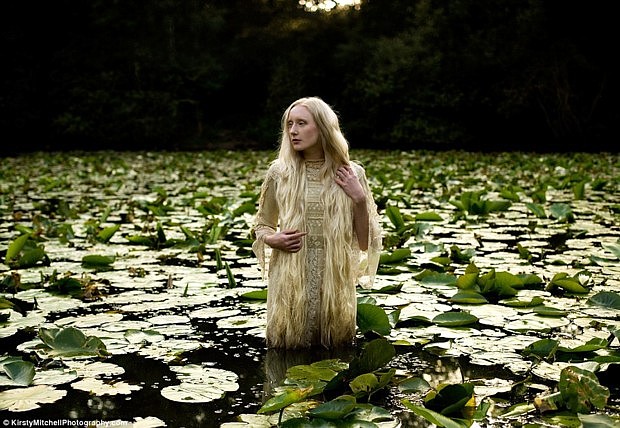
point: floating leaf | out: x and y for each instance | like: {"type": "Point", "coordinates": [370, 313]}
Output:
{"type": "Point", "coordinates": [428, 216]}
{"type": "Point", "coordinates": [255, 295]}
{"type": "Point", "coordinates": [70, 342]}
{"type": "Point", "coordinates": [544, 349]}
{"type": "Point", "coordinates": [95, 260]}
{"type": "Point", "coordinates": [99, 387]}
{"type": "Point", "coordinates": [316, 373]}
{"type": "Point", "coordinates": [454, 319]}
{"type": "Point", "coordinates": [548, 311]}
{"type": "Point", "coordinates": [396, 256]}
{"type": "Point", "coordinates": [143, 336]}
{"type": "Point", "coordinates": [522, 303]}
{"type": "Point", "coordinates": [200, 384]}
{"type": "Point", "coordinates": [24, 399]}
{"type": "Point", "coordinates": [469, 297]}
{"type": "Point", "coordinates": [335, 409]}
{"type": "Point", "coordinates": [606, 299]}
{"type": "Point", "coordinates": [599, 421]}
{"type": "Point", "coordinates": [438, 279]}
{"type": "Point", "coordinates": [593, 344]}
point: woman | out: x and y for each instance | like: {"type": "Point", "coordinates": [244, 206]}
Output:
{"type": "Point", "coordinates": [317, 216]}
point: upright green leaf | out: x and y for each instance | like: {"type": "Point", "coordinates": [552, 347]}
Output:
{"type": "Point", "coordinates": [15, 247]}
{"type": "Point", "coordinates": [285, 399]}
{"type": "Point", "coordinates": [581, 390]}
{"type": "Point", "coordinates": [106, 233]}
{"type": "Point", "coordinates": [451, 399]}
{"type": "Point", "coordinates": [372, 318]}
{"type": "Point", "coordinates": [21, 372]}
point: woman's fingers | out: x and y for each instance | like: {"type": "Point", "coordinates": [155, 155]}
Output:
{"type": "Point", "coordinates": [293, 240]}
{"type": "Point", "coordinates": [343, 173]}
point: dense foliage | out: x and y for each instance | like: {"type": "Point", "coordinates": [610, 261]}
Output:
{"type": "Point", "coordinates": [403, 74]}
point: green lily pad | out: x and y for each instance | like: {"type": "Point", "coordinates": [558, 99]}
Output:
{"type": "Point", "coordinates": [454, 319]}
{"type": "Point", "coordinates": [70, 342]}
{"type": "Point", "coordinates": [469, 297]}
{"type": "Point", "coordinates": [335, 409]}
{"type": "Point", "coordinates": [548, 311]}
{"type": "Point", "coordinates": [606, 299]}
{"type": "Point", "coordinates": [95, 260]}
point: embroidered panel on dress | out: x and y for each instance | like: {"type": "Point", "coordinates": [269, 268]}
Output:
{"type": "Point", "coordinates": [315, 255]}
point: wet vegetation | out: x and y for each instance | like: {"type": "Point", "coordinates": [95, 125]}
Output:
{"type": "Point", "coordinates": [129, 293]}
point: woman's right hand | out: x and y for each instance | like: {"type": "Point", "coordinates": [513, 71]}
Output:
{"type": "Point", "coordinates": [286, 240]}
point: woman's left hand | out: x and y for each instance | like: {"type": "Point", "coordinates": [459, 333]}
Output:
{"type": "Point", "coordinates": [346, 178]}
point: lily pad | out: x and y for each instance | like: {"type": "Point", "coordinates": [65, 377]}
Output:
{"type": "Point", "coordinates": [70, 342]}
{"type": "Point", "coordinates": [606, 299]}
{"type": "Point", "coordinates": [99, 387]}
{"type": "Point", "coordinates": [455, 319]}
{"type": "Point", "coordinates": [200, 384]}
{"type": "Point", "coordinates": [24, 399]}
{"type": "Point", "coordinates": [469, 297]}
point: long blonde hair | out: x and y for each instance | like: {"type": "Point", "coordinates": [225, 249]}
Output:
{"type": "Point", "coordinates": [291, 163]}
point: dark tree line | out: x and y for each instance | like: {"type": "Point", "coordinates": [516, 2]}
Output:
{"type": "Point", "coordinates": [183, 74]}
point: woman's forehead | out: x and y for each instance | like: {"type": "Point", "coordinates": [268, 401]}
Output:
{"type": "Point", "coordinates": [300, 111]}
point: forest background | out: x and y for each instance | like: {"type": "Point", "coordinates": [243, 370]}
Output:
{"type": "Point", "coordinates": [403, 74]}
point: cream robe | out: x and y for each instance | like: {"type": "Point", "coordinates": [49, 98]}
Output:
{"type": "Point", "coordinates": [312, 293]}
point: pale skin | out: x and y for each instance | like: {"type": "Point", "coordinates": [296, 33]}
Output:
{"type": "Point", "coordinates": [304, 136]}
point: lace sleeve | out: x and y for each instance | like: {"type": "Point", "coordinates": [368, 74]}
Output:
{"type": "Point", "coordinates": [369, 260]}
{"type": "Point", "coordinates": [266, 221]}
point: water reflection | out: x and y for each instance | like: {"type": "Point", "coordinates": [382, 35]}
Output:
{"type": "Point", "coordinates": [432, 369]}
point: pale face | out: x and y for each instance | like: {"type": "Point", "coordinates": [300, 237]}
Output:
{"type": "Point", "coordinates": [303, 133]}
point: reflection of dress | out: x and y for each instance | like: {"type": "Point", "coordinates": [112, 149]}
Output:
{"type": "Point", "coordinates": [312, 295]}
